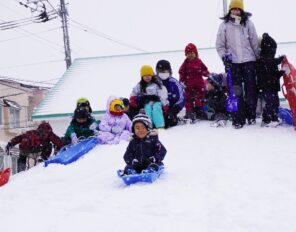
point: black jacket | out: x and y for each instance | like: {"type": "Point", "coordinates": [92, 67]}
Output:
{"type": "Point", "coordinates": [142, 149]}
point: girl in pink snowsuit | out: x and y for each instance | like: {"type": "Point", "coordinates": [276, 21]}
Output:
{"type": "Point", "coordinates": [191, 75]}
{"type": "Point", "coordinates": [115, 125]}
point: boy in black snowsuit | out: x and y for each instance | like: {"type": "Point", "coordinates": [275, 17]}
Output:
{"type": "Point", "coordinates": [268, 75]}
{"type": "Point", "coordinates": [145, 151]}
{"type": "Point", "coordinates": [215, 99]}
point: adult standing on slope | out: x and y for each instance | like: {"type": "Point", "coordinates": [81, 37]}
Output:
{"type": "Point", "coordinates": [237, 36]}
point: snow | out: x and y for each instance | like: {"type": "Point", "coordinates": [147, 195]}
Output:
{"type": "Point", "coordinates": [216, 179]}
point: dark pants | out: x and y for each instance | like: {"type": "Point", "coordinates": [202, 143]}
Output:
{"type": "Point", "coordinates": [139, 167]}
{"type": "Point", "coordinates": [272, 103]}
{"type": "Point", "coordinates": [245, 89]}
{"type": "Point", "coordinates": [171, 118]}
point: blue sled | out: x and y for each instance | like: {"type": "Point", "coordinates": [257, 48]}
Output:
{"type": "Point", "coordinates": [70, 154]}
{"type": "Point", "coordinates": [149, 177]}
{"type": "Point", "coordinates": [286, 116]}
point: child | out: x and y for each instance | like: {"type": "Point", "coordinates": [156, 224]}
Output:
{"type": "Point", "coordinates": [269, 80]}
{"type": "Point", "coordinates": [152, 95]}
{"type": "Point", "coordinates": [115, 125]}
{"type": "Point", "coordinates": [144, 151]}
{"type": "Point", "coordinates": [175, 92]}
{"type": "Point", "coordinates": [81, 126]}
{"type": "Point", "coordinates": [34, 143]}
{"type": "Point", "coordinates": [191, 75]}
{"type": "Point", "coordinates": [215, 99]}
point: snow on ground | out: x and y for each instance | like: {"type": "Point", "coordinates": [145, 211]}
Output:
{"type": "Point", "coordinates": [216, 180]}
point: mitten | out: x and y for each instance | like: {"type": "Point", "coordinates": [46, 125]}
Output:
{"type": "Point", "coordinates": [74, 138]}
{"type": "Point", "coordinates": [226, 61]}
{"type": "Point", "coordinates": [152, 159]}
{"type": "Point", "coordinates": [135, 162]}
{"type": "Point", "coordinates": [165, 109]}
{"type": "Point", "coordinates": [116, 129]}
{"type": "Point", "coordinates": [93, 126]}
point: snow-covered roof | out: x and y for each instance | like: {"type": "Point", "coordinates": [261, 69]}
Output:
{"type": "Point", "coordinates": [97, 78]}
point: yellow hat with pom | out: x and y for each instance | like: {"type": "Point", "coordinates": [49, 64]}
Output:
{"type": "Point", "coordinates": [236, 4]}
{"type": "Point", "coordinates": [147, 70]}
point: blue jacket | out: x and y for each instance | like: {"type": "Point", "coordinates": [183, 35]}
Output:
{"type": "Point", "coordinates": [175, 92]}
{"type": "Point", "coordinates": [142, 149]}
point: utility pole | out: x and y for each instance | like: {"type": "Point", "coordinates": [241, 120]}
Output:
{"type": "Point", "coordinates": [225, 11]}
{"type": "Point", "coordinates": [63, 14]}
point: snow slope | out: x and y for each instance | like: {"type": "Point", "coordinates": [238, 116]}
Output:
{"type": "Point", "coordinates": [216, 180]}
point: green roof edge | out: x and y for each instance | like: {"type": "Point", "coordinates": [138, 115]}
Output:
{"type": "Point", "coordinates": [62, 115]}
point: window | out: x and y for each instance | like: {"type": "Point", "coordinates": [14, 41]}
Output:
{"type": "Point", "coordinates": [14, 113]}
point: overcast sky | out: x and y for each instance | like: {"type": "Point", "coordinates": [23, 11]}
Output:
{"type": "Point", "coordinates": [112, 27]}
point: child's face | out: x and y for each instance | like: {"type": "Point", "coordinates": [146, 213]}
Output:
{"type": "Point", "coordinates": [81, 120]}
{"type": "Point", "coordinates": [235, 11]}
{"type": "Point", "coordinates": [191, 55]}
{"type": "Point", "coordinates": [118, 108]}
{"type": "Point", "coordinates": [140, 130]}
{"type": "Point", "coordinates": [147, 78]}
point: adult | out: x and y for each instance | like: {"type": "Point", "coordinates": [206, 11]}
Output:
{"type": "Point", "coordinates": [237, 36]}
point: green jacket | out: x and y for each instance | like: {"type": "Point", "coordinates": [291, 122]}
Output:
{"type": "Point", "coordinates": [81, 129]}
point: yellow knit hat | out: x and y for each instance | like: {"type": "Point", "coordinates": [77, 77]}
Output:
{"type": "Point", "coordinates": [236, 4]}
{"type": "Point", "coordinates": [147, 70]}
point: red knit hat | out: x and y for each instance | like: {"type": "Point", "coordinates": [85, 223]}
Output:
{"type": "Point", "coordinates": [191, 48]}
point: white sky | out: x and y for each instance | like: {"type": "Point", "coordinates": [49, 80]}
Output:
{"type": "Point", "coordinates": [155, 25]}
{"type": "Point", "coordinates": [223, 180]}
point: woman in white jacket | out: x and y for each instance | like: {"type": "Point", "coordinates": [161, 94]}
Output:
{"type": "Point", "coordinates": [237, 36]}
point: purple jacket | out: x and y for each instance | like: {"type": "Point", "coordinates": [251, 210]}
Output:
{"type": "Point", "coordinates": [114, 128]}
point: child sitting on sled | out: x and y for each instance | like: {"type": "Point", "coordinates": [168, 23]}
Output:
{"type": "Point", "coordinates": [145, 151]}
{"type": "Point", "coordinates": [115, 125]}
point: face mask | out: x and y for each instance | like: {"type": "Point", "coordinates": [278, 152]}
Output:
{"type": "Point", "coordinates": [163, 76]}
{"type": "Point", "coordinates": [237, 19]}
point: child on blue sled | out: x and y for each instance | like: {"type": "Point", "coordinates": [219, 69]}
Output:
{"type": "Point", "coordinates": [145, 152]}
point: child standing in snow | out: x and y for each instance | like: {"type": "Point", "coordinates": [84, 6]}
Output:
{"type": "Point", "coordinates": [115, 125]}
{"type": "Point", "coordinates": [269, 75]}
{"type": "Point", "coordinates": [82, 125]}
{"type": "Point", "coordinates": [152, 95]}
{"type": "Point", "coordinates": [144, 151]}
{"type": "Point", "coordinates": [191, 75]}
{"type": "Point", "coordinates": [215, 98]}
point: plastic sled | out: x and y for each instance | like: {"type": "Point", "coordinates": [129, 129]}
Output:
{"type": "Point", "coordinates": [149, 177]}
{"type": "Point", "coordinates": [4, 176]}
{"type": "Point", "coordinates": [70, 154]}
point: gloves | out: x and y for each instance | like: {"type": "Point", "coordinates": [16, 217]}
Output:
{"type": "Point", "coordinates": [281, 58]}
{"type": "Point", "coordinates": [135, 162]}
{"type": "Point", "coordinates": [116, 129]}
{"type": "Point", "coordinates": [93, 126]}
{"type": "Point", "coordinates": [227, 61]}
{"type": "Point", "coordinates": [74, 138]}
{"type": "Point", "coordinates": [96, 132]}
{"type": "Point", "coordinates": [165, 109]}
{"type": "Point", "coordinates": [8, 147]}
{"type": "Point", "coordinates": [152, 159]}
{"type": "Point", "coordinates": [133, 101]}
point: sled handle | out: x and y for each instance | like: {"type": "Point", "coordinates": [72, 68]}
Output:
{"type": "Point", "coordinates": [284, 92]}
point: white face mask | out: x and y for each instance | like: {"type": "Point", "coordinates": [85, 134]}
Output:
{"type": "Point", "coordinates": [163, 76]}
{"type": "Point", "coordinates": [237, 19]}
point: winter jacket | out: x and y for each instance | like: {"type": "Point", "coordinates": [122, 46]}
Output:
{"type": "Point", "coordinates": [142, 149]}
{"type": "Point", "coordinates": [175, 93]}
{"type": "Point", "coordinates": [81, 129]}
{"type": "Point", "coordinates": [239, 40]}
{"type": "Point", "coordinates": [216, 100]}
{"type": "Point", "coordinates": [122, 123]}
{"type": "Point", "coordinates": [33, 140]}
{"type": "Point", "coordinates": [153, 93]}
{"type": "Point", "coordinates": [192, 72]}
{"type": "Point", "coordinates": [268, 74]}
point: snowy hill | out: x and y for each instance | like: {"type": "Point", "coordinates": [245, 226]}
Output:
{"type": "Point", "coordinates": [216, 180]}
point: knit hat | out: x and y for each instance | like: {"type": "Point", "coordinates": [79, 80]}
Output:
{"type": "Point", "coordinates": [191, 48]}
{"type": "Point", "coordinates": [236, 4]}
{"type": "Point", "coordinates": [143, 118]}
{"type": "Point", "coordinates": [147, 70]}
{"type": "Point", "coordinates": [216, 80]}
{"type": "Point", "coordinates": [80, 112]}
{"type": "Point", "coordinates": [163, 65]}
{"type": "Point", "coordinates": [268, 45]}
{"type": "Point", "coordinates": [125, 102]}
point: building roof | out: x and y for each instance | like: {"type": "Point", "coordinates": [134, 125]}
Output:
{"type": "Point", "coordinates": [97, 78]}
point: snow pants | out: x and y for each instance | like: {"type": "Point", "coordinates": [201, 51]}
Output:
{"type": "Point", "coordinates": [154, 112]}
{"type": "Point", "coordinates": [245, 89]}
{"type": "Point", "coordinates": [272, 103]}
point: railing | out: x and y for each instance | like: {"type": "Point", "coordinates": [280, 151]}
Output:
{"type": "Point", "coordinates": [14, 157]}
